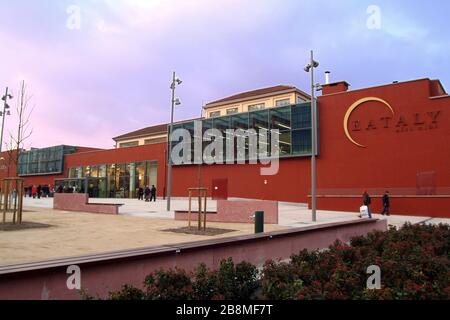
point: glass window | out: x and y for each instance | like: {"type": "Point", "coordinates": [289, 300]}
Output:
{"type": "Point", "coordinates": [121, 170]}
{"type": "Point", "coordinates": [239, 121]}
{"type": "Point", "coordinates": [94, 171]}
{"type": "Point", "coordinates": [300, 99]}
{"type": "Point", "coordinates": [259, 120]}
{"type": "Point", "coordinates": [301, 142]}
{"type": "Point", "coordinates": [152, 173]}
{"type": "Point", "coordinates": [140, 174]}
{"type": "Point", "coordinates": [222, 123]}
{"type": "Point", "coordinates": [214, 114]}
{"type": "Point", "coordinates": [87, 171]}
{"type": "Point", "coordinates": [129, 144]}
{"type": "Point", "coordinates": [102, 171]}
{"type": "Point", "coordinates": [284, 143]}
{"type": "Point", "coordinates": [111, 170]}
{"type": "Point", "coordinates": [254, 107]}
{"type": "Point", "coordinates": [280, 118]}
{"type": "Point", "coordinates": [283, 102]}
{"type": "Point", "coordinates": [301, 116]}
{"type": "Point", "coordinates": [232, 111]}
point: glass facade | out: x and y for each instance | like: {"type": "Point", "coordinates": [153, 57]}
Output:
{"type": "Point", "coordinates": [293, 123]}
{"type": "Point", "coordinates": [112, 180]}
{"type": "Point", "coordinates": [43, 161]}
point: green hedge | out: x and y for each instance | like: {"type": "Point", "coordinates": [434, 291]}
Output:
{"type": "Point", "coordinates": [414, 264]}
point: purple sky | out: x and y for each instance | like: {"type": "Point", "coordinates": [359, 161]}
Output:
{"type": "Point", "coordinates": [112, 75]}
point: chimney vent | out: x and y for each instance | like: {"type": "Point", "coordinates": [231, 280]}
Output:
{"type": "Point", "coordinates": [327, 77]}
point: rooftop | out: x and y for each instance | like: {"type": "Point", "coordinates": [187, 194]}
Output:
{"type": "Point", "coordinates": [247, 95]}
{"type": "Point", "coordinates": [162, 129]}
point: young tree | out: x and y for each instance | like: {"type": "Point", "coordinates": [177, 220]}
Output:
{"type": "Point", "coordinates": [24, 131]}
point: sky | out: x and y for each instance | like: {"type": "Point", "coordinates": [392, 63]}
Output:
{"type": "Point", "coordinates": [96, 69]}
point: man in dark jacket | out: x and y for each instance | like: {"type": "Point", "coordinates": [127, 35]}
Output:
{"type": "Point", "coordinates": [153, 194]}
{"type": "Point", "coordinates": [386, 204]}
{"type": "Point", "coordinates": [147, 192]}
{"type": "Point", "coordinates": [367, 201]}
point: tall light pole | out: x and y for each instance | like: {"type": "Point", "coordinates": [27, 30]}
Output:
{"type": "Point", "coordinates": [4, 114]}
{"type": "Point", "coordinates": [310, 68]}
{"type": "Point", "coordinates": [175, 82]}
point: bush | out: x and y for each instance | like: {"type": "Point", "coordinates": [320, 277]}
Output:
{"type": "Point", "coordinates": [414, 264]}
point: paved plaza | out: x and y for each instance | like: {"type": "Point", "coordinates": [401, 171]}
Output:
{"type": "Point", "coordinates": [139, 224]}
{"type": "Point", "coordinates": [290, 214]}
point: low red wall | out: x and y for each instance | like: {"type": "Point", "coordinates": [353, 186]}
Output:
{"type": "Point", "coordinates": [79, 202]}
{"type": "Point", "coordinates": [237, 211]}
{"type": "Point", "coordinates": [103, 273]}
{"type": "Point", "coordinates": [426, 206]}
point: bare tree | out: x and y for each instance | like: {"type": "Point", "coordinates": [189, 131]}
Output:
{"type": "Point", "coordinates": [24, 131]}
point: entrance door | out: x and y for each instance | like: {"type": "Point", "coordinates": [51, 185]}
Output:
{"type": "Point", "coordinates": [220, 189]}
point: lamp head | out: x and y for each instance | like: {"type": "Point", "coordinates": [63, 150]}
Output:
{"type": "Point", "coordinates": [177, 102]}
{"type": "Point", "coordinates": [178, 81]}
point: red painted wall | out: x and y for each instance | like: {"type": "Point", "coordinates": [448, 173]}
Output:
{"type": "Point", "coordinates": [391, 159]}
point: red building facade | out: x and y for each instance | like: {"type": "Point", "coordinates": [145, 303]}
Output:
{"type": "Point", "coordinates": [394, 137]}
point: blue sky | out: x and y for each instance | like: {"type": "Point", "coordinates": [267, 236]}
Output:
{"type": "Point", "coordinates": [112, 74]}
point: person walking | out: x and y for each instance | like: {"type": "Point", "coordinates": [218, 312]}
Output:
{"type": "Point", "coordinates": [147, 193]}
{"type": "Point", "coordinates": [367, 201]}
{"type": "Point", "coordinates": [153, 194]}
{"type": "Point", "coordinates": [386, 204]}
{"type": "Point", "coordinates": [141, 193]}
{"type": "Point", "coordinates": [33, 191]}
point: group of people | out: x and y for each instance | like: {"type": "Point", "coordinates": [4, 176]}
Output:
{"type": "Point", "coordinates": [148, 194]}
{"type": "Point", "coordinates": [367, 201]}
{"type": "Point", "coordinates": [38, 191]}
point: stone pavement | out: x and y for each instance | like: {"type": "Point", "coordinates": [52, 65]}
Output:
{"type": "Point", "coordinates": [290, 214]}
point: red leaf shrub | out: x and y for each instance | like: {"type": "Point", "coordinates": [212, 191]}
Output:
{"type": "Point", "coordinates": [414, 263]}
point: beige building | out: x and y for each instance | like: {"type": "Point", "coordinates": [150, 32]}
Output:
{"type": "Point", "coordinates": [271, 97]}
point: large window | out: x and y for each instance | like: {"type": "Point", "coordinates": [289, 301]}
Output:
{"type": "Point", "coordinates": [292, 125]}
{"type": "Point", "coordinates": [121, 180]}
{"type": "Point", "coordinates": [43, 161]}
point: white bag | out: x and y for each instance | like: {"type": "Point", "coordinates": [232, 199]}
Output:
{"type": "Point", "coordinates": [364, 211]}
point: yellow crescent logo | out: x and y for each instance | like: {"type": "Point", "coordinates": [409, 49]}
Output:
{"type": "Point", "coordinates": [353, 108]}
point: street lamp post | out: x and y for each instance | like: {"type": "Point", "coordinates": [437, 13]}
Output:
{"type": "Point", "coordinates": [4, 114]}
{"type": "Point", "coordinates": [310, 68]}
{"type": "Point", "coordinates": [175, 82]}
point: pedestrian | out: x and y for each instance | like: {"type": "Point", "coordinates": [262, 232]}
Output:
{"type": "Point", "coordinates": [34, 191]}
{"type": "Point", "coordinates": [141, 193]}
{"type": "Point", "coordinates": [153, 194]}
{"type": "Point", "coordinates": [386, 204]}
{"type": "Point", "coordinates": [39, 190]}
{"type": "Point", "coordinates": [367, 201]}
{"type": "Point", "coordinates": [147, 193]}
